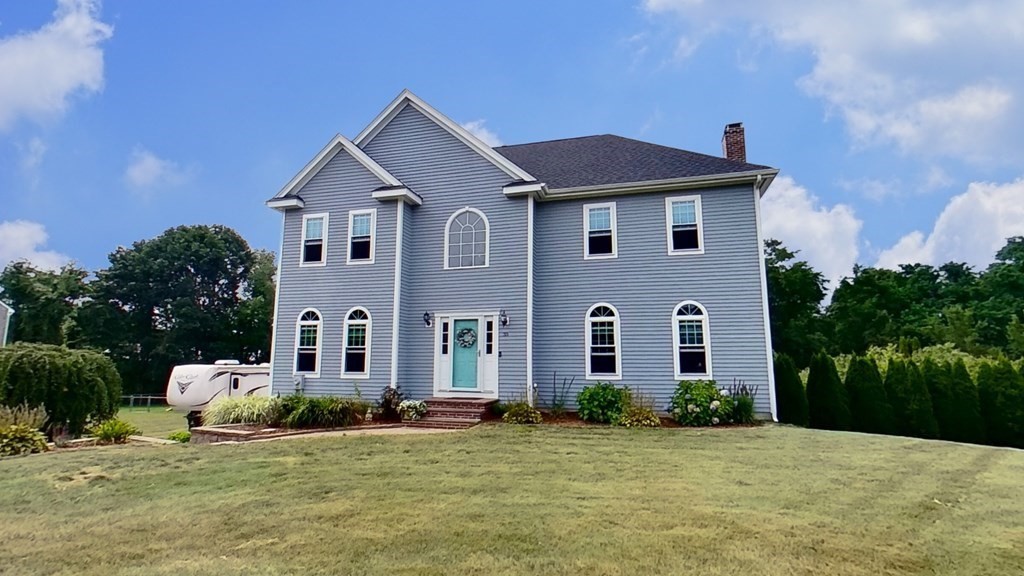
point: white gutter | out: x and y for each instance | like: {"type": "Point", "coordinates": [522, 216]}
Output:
{"type": "Point", "coordinates": [277, 304]}
{"type": "Point", "coordinates": [662, 185]}
{"type": "Point", "coordinates": [7, 324]}
{"type": "Point", "coordinates": [529, 299]}
{"type": "Point", "coordinates": [396, 299]}
{"type": "Point", "coordinates": [769, 356]}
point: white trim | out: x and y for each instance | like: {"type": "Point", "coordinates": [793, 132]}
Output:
{"type": "Point", "coordinates": [695, 198]}
{"type": "Point", "coordinates": [487, 238]}
{"type": "Point", "coordinates": [407, 98]}
{"type": "Point", "coordinates": [586, 232]}
{"type": "Point", "coordinates": [283, 204]}
{"type": "Point", "coordinates": [344, 343]}
{"type": "Point", "coordinates": [516, 189]}
{"type": "Point", "coordinates": [319, 342]}
{"type": "Point", "coordinates": [529, 299]}
{"type": "Point", "coordinates": [705, 328]}
{"type": "Point", "coordinates": [403, 194]}
{"type": "Point", "coordinates": [337, 144]}
{"type": "Point", "coordinates": [373, 236]}
{"type": "Point", "coordinates": [277, 305]}
{"type": "Point", "coordinates": [302, 244]}
{"type": "Point", "coordinates": [769, 356]}
{"type": "Point", "coordinates": [617, 326]}
{"type": "Point", "coordinates": [488, 366]}
{"type": "Point", "coordinates": [671, 184]}
{"type": "Point", "coordinates": [397, 296]}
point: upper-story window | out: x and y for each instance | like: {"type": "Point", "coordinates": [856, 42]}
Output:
{"type": "Point", "coordinates": [307, 343]}
{"type": "Point", "coordinates": [604, 360]}
{"type": "Point", "coordinates": [692, 342]}
{"type": "Point", "coordinates": [467, 239]}
{"type": "Point", "coordinates": [684, 225]}
{"type": "Point", "coordinates": [356, 353]}
{"type": "Point", "coordinates": [314, 240]}
{"type": "Point", "coordinates": [599, 231]}
{"type": "Point", "coordinates": [362, 227]}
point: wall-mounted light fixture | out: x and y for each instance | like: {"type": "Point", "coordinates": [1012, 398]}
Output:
{"type": "Point", "coordinates": [503, 317]}
{"type": "Point", "coordinates": [428, 320]}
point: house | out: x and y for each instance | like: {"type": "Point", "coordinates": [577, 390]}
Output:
{"type": "Point", "coordinates": [6, 312]}
{"type": "Point", "coordinates": [416, 254]}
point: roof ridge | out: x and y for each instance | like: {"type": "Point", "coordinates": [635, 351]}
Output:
{"type": "Point", "coordinates": [553, 140]}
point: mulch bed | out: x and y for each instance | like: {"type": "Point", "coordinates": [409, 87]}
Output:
{"type": "Point", "coordinates": [572, 420]}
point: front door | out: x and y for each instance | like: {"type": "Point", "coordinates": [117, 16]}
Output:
{"type": "Point", "coordinates": [465, 354]}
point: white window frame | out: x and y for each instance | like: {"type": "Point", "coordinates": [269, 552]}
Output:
{"type": "Point", "coordinates": [373, 236]}
{"type": "Point", "coordinates": [586, 232]}
{"type": "Point", "coordinates": [299, 323]}
{"type": "Point", "coordinates": [487, 238]}
{"type": "Point", "coordinates": [700, 225]}
{"type": "Point", "coordinates": [302, 244]}
{"type": "Point", "coordinates": [344, 343]}
{"type": "Point", "coordinates": [617, 331]}
{"type": "Point", "coordinates": [706, 326]}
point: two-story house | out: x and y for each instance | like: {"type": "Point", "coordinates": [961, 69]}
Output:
{"type": "Point", "coordinates": [416, 254]}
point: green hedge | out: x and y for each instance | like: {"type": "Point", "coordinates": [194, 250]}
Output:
{"type": "Point", "coordinates": [827, 401]}
{"type": "Point", "coordinates": [910, 400]}
{"type": "Point", "coordinates": [1001, 395]}
{"type": "Point", "coordinates": [965, 423]}
{"type": "Point", "coordinates": [870, 410]}
{"type": "Point", "coordinates": [74, 386]}
{"type": "Point", "coordinates": [790, 395]}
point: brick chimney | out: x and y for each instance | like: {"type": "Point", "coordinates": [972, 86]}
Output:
{"type": "Point", "coordinates": [734, 143]}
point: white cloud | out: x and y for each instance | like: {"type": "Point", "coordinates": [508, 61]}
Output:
{"type": "Point", "coordinates": [971, 228]}
{"type": "Point", "coordinates": [147, 171]}
{"type": "Point", "coordinates": [873, 189]}
{"type": "Point", "coordinates": [40, 70]}
{"type": "Point", "coordinates": [933, 77]}
{"type": "Point", "coordinates": [477, 128]}
{"type": "Point", "coordinates": [827, 237]}
{"type": "Point", "coordinates": [32, 154]}
{"type": "Point", "coordinates": [24, 240]}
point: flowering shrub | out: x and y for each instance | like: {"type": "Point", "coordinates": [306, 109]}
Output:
{"type": "Point", "coordinates": [701, 403]}
{"type": "Point", "coordinates": [638, 417]}
{"type": "Point", "coordinates": [521, 413]}
{"type": "Point", "coordinates": [412, 409]}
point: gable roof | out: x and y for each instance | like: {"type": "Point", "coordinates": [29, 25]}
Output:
{"type": "Point", "coordinates": [596, 161]}
{"type": "Point", "coordinates": [407, 98]}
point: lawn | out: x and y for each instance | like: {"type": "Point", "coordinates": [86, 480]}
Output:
{"type": "Point", "coordinates": [507, 500]}
{"type": "Point", "coordinates": [156, 421]}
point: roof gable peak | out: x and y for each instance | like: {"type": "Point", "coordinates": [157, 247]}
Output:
{"type": "Point", "coordinates": [336, 145]}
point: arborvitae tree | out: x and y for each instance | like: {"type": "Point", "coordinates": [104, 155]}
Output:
{"type": "Point", "coordinates": [790, 396]}
{"type": "Point", "coordinates": [870, 410]}
{"type": "Point", "coordinates": [827, 402]}
{"type": "Point", "coordinates": [938, 379]}
{"type": "Point", "coordinates": [911, 403]}
{"type": "Point", "coordinates": [964, 424]}
{"type": "Point", "coordinates": [1001, 394]}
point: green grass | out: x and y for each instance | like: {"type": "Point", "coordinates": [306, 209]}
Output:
{"type": "Point", "coordinates": [156, 421]}
{"type": "Point", "coordinates": [508, 500]}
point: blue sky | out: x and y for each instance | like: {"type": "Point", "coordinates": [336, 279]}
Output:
{"type": "Point", "coordinates": [895, 124]}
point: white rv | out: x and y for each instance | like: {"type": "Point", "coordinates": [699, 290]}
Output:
{"type": "Point", "coordinates": [192, 387]}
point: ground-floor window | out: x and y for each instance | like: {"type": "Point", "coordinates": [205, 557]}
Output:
{"type": "Point", "coordinates": [690, 327]}
{"type": "Point", "coordinates": [603, 354]}
{"type": "Point", "coordinates": [307, 342]}
{"type": "Point", "coordinates": [356, 352]}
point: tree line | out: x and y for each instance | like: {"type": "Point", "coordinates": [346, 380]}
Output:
{"type": "Point", "coordinates": [192, 294]}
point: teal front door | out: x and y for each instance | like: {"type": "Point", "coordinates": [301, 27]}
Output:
{"type": "Point", "coordinates": [465, 354]}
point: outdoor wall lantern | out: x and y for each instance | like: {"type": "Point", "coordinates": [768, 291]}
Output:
{"type": "Point", "coordinates": [427, 319]}
{"type": "Point", "coordinates": [503, 317]}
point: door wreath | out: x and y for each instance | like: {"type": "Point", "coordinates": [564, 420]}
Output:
{"type": "Point", "coordinates": [466, 337]}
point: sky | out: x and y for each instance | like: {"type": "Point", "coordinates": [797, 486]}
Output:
{"type": "Point", "coordinates": [896, 124]}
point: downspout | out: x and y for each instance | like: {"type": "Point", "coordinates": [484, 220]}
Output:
{"type": "Point", "coordinates": [529, 299]}
{"type": "Point", "coordinates": [396, 300]}
{"type": "Point", "coordinates": [7, 326]}
{"type": "Point", "coordinates": [277, 304]}
{"type": "Point", "coordinates": [769, 357]}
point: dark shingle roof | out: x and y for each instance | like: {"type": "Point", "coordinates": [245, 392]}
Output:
{"type": "Point", "coordinates": [609, 159]}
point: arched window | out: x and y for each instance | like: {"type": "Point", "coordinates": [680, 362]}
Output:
{"type": "Point", "coordinates": [356, 349]}
{"type": "Point", "coordinates": [307, 343]}
{"type": "Point", "coordinates": [604, 360]}
{"type": "Point", "coordinates": [692, 341]}
{"type": "Point", "coordinates": [467, 236]}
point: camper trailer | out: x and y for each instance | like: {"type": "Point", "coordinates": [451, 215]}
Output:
{"type": "Point", "coordinates": [192, 387]}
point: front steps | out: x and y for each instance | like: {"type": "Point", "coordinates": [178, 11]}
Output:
{"type": "Point", "coordinates": [454, 413]}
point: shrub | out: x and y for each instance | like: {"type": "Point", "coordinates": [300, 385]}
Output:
{"type": "Point", "coordinates": [700, 403]}
{"type": "Point", "coordinates": [326, 412]}
{"type": "Point", "coordinates": [499, 409]}
{"type": "Point", "coordinates": [243, 410]}
{"type": "Point", "coordinates": [387, 404]}
{"type": "Point", "coordinates": [23, 414]}
{"type": "Point", "coordinates": [634, 416]}
{"type": "Point", "coordinates": [521, 413]}
{"type": "Point", "coordinates": [911, 403]}
{"type": "Point", "coordinates": [113, 431]}
{"type": "Point", "coordinates": [560, 394]}
{"type": "Point", "coordinates": [17, 439]}
{"type": "Point", "coordinates": [1001, 395]}
{"type": "Point", "coordinates": [870, 410]}
{"type": "Point", "coordinates": [938, 379]}
{"type": "Point", "coordinates": [183, 436]}
{"type": "Point", "coordinates": [965, 423]}
{"type": "Point", "coordinates": [412, 409]}
{"type": "Point", "coordinates": [75, 386]}
{"type": "Point", "coordinates": [828, 405]}
{"type": "Point", "coordinates": [742, 402]}
{"type": "Point", "coordinates": [790, 395]}
{"type": "Point", "coordinates": [602, 402]}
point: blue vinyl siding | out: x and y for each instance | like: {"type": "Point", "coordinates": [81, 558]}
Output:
{"type": "Point", "coordinates": [645, 283]}
{"type": "Point", "coordinates": [448, 175]}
